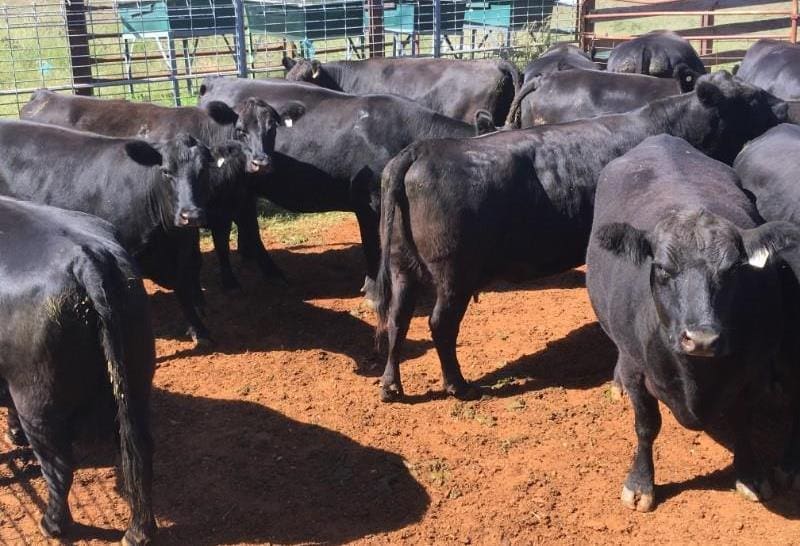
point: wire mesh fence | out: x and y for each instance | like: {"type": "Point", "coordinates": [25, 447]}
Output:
{"type": "Point", "coordinates": [157, 50]}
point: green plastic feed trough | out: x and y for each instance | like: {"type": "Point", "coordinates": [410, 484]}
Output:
{"type": "Point", "coordinates": [508, 14]}
{"type": "Point", "coordinates": [179, 18]}
{"type": "Point", "coordinates": [305, 19]}
{"type": "Point", "coordinates": [417, 17]}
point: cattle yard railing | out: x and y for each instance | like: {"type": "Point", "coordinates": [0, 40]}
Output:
{"type": "Point", "coordinates": [720, 30]}
{"type": "Point", "coordinates": [158, 50]}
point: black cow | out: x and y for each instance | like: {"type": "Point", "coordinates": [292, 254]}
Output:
{"type": "Point", "coordinates": [150, 193]}
{"type": "Point", "coordinates": [459, 213]}
{"type": "Point", "coordinates": [75, 335]}
{"type": "Point", "coordinates": [556, 58]}
{"type": "Point", "coordinates": [580, 94]}
{"type": "Point", "coordinates": [687, 284]}
{"type": "Point", "coordinates": [455, 88]}
{"type": "Point", "coordinates": [656, 53]}
{"type": "Point", "coordinates": [774, 66]}
{"type": "Point", "coordinates": [332, 157]}
{"type": "Point", "coordinates": [252, 122]}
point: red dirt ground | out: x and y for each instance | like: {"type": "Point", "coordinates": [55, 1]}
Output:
{"type": "Point", "coordinates": [279, 436]}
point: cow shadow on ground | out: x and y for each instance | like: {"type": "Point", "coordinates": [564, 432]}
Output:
{"type": "Point", "coordinates": [230, 471]}
{"type": "Point", "coordinates": [582, 359]}
{"type": "Point", "coordinates": [271, 315]}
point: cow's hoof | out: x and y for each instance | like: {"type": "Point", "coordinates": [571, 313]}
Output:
{"type": "Point", "coordinates": [391, 393]}
{"type": "Point", "coordinates": [17, 437]}
{"type": "Point", "coordinates": [203, 344]}
{"type": "Point", "coordinates": [370, 303]}
{"type": "Point", "coordinates": [615, 391]}
{"type": "Point", "coordinates": [754, 490]}
{"type": "Point", "coordinates": [54, 529]}
{"type": "Point", "coordinates": [641, 501]}
{"type": "Point", "coordinates": [787, 478]}
{"type": "Point", "coordinates": [133, 538]}
{"type": "Point", "coordinates": [465, 391]}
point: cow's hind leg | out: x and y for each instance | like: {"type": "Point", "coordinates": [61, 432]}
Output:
{"type": "Point", "coordinates": [404, 288]}
{"type": "Point", "coordinates": [444, 323]}
{"type": "Point", "coordinates": [370, 244]}
{"type": "Point", "coordinates": [251, 247]}
{"type": "Point", "coordinates": [638, 492]}
{"type": "Point", "coordinates": [50, 440]}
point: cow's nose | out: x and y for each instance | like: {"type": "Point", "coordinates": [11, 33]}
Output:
{"type": "Point", "coordinates": [260, 164]}
{"type": "Point", "coordinates": [191, 217]}
{"type": "Point", "coordinates": [699, 342]}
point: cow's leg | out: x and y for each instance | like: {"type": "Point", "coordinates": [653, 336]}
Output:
{"type": "Point", "coordinates": [789, 470]}
{"type": "Point", "coordinates": [15, 433]}
{"type": "Point", "coordinates": [751, 483]}
{"type": "Point", "coordinates": [48, 435]}
{"type": "Point", "coordinates": [444, 323]}
{"type": "Point", "coordinates": [250, 244]}
{"type": "Point", "coordinates": [638, 492]}
{"type": "Point", "coordinates": [221, 233]}
{"type": "Point", "coordinates": [370, 244]}
{"type": "Point", "coordinates": [400, 312]}
{"type": "Point", "coordinates": [196, 329]}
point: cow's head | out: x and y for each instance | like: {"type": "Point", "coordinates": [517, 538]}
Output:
{"type": "Point", "coordinates": [255, 125]}
{"type": "Point", "coordinates": [180, 196]}
{"type": "Point", "coordinates": [702, 269]}
{"type": "Point", "coordinates": [311, 71]}
{"type": "Point", "coordinates": [734, 112]}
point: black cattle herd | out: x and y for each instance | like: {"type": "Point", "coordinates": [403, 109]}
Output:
{"type": "Point", "coordinates": [678, 189]}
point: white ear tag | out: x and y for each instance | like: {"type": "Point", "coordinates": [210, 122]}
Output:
{"type": "Point", "coordinates": [220, 162]}
{"type": "Point", "coordinates": [288, 122]}
{"type": "Point", "coordinates": [759, 258]}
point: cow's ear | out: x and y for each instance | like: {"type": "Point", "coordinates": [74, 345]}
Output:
{"type": "Point", "coordinates": [781, 238]}
{"type": "Point", "coordinates": [709, 94]}
{"type": "Point", "coordinates": [484, 123]}
{"type": "Point", "coordinates": [735, 69]}
{"type": "Point", "coordinates": [316, 68]}
{"type": "Point", "coordinates": [685, 76]}
{"type": "Point", "coordinates": [143, 153]}
{"type": "Point", "coordinates": [625, 241]}
{"type": "Point", "coordinates": [221, 112]}
{"type": "Point", "coordinates": [288, 63]}
{"type": "Point", "coordinates": [291, 113]}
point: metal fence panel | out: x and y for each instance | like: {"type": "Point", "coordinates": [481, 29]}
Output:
{"type": "Point", "coordinates": [157, 50]}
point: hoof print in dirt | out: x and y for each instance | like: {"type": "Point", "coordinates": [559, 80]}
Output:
{"type": "Point", "coordinates": [638, 500]}
{"type": "Point", "coordinates": [391, 393]}
{"type": "Point", "coordinates": [754, 491]}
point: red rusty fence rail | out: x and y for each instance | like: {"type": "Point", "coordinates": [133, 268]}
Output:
{"type": "Point", "coordinates": [765, 23]}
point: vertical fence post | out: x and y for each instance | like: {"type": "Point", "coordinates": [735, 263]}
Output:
{"type": "Point", "coordinates": [437, 28]}
{"type": "Point", "coordinates": [707, 46]}
{"type": "Point", "coordinates": [375, 32]}
{"type": "Point", "coordinates": [78, 38]}
{"type": "Point", "coordinates": [241, 46]}
{"type": "Point", "coordinates": [793, 31]}
{"type": "Point", "coordinates": [585, 26]}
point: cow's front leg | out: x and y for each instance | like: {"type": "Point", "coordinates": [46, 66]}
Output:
{"type": "Point", "coordinates": [251, 247]}
{"type": "Point", "coordinates": [221, 233]}
{"type": "Point", "coordinates": [16, 436]}
{"type": "Point", "coordinates": [638, 492]}
{"type": "Point", "coordinates": [751, 481]}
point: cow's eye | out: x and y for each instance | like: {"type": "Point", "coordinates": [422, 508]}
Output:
{"type": "Point", "coordinates": [168, 175]}
{"type": "Point", "coordinates": [240, 133]}
{"type": "Point", "coordinates": [661, 274]}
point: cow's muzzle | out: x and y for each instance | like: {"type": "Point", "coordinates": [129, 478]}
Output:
{"type": "Point", "coordinates": [699, 342]}
{"type": "Point", "coordinates": [191, 217]}
{"type": "Point", "coordinates": [260, 164]}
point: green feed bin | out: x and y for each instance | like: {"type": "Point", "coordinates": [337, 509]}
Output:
{"type": "Point", "coordinates": [178, 18]}
{"type": "Point", "coordinates": [507, 14]}
{"type": "Point", "coordinates": [417, 17]}
{"type": "Point", "coordinates": [305, 19]}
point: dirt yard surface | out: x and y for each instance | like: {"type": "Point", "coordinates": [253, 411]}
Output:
{"type": "Point", "coordinates": [279, 437]}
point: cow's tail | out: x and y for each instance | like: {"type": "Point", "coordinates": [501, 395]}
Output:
{"type": "Point", "coordinates": [514, 118]}
{"type": "Point", "coordinates": [393, 186]}
{"type": "Point", "coordinates": [98, 274]}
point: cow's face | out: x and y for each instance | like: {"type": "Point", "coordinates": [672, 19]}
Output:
{"type": "Point", "coordinates": [311, 71]}
{"type": "Point", "coordinates": [256, 128]}
{"type": "Point", "coordinates": [743, 112]}
{"type": "Point", "coordinates": [701, 270]}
